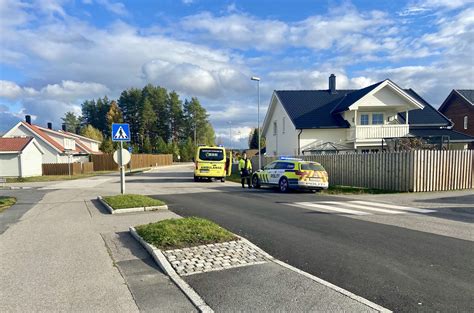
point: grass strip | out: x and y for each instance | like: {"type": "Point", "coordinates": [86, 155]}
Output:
{"type": "Point", "coordinates": [334, 190]}
{"type": "Point", "coordinates": [131, 201]}
{"type": "Point", "coordinates": [183, 232]}
{"type": "Point", "coordinates": [6, 202]}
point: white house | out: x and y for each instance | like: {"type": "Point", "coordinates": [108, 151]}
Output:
{"type": "Point", "coordinates": [58, 146]}
{"type": "Point", "coordinates": [20, 157]}
{"type": "Point", "coordinates": [311, 121]}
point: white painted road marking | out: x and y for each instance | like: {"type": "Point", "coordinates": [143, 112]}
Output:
{"type": "Point", "coordinates": [364, 207]}
{"type": "Point", "coordinates": [349, 207]}
{"type": "Point", "coordinates": [329, 208]}
{"type": "Point", "coordinates": [396, 207]}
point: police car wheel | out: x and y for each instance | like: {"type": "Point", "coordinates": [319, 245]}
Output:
{"type": "Point", "coordinates": [283, 185]}
{"type": "Point", "coordinates": [196, 179]}
{"type": "Point", "coordinates": [255, 181]}
{"type": "Point", "coordinates": [223, 179]}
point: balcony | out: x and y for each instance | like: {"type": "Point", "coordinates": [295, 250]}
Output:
{"type": "Point", "coordinates": [374, 132]}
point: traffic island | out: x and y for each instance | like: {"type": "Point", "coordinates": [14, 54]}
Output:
{"type": "Point", "coordinates": [6, 202]}
{"type": "Point", "coordinates": [194, 245]}
{"type": "Point", "coordinates": [131, 203]}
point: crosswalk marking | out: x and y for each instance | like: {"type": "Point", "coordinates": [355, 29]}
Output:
{"type": "Point", "coordinates": [396, 207]}
{"type": "Point", "coordinates": [357, 207]}
{"type": "Point", "coordinates": [330, 208]}
{"type": "Point", "coordinates": [364, 207]}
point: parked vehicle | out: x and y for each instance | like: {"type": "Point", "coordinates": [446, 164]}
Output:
{"type": "Point", "coordinates": [289, 173]}
{"type": "Point", "coordinates": [212, 163]}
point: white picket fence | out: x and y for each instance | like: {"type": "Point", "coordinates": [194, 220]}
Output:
{"type": "Point", "coordinates": [414, 171]}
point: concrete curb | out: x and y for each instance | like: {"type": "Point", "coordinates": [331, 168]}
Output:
{"type": "Point", "coordinates": [321, 281]}
{"type": "Point", "coordinates": [163, 263]}
{"type": "Point", "coordinates": [131, 210]}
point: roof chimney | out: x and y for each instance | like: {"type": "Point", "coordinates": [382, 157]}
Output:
{"type": "Point", "coordinates": [63, 126]}
{"type": "Point", "coordinates": [28, 119]}
{"type": "Point", "coordinates": [332, 83]}
{"type": "Point", "coordinates": [50, 125]}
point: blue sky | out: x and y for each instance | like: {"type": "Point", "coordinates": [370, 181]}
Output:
{"type": "Point", "coordinates": [57, 53]}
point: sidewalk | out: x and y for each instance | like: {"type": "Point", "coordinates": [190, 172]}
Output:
{"type": "Point", "coordinates": [66, 254]}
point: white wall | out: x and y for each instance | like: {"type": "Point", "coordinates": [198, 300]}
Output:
{"type": "Point", "coordinates": [285, 141]}
{"type": "Point", "coordinates": [337, 135]}
{"type": "Point", "coordinates": [9, 165]}
{"type": "Point", "coordinates": [50, 155]}
{"type": "Point", "coordinates": [67, 143]}
{"type": "Point", "coordinates": [31, 160]}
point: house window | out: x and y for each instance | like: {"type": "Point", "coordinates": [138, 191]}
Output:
{"type": "Point", "coordinates": [377, 119]}
{"type": "Point", "coordinates": [364, 119]}
{"type": "Point", "coordinates": [283, 125]}
{"type": "Point", "coordinates": [465, 122]}
{"type": "Point", "coordinates": [275, 128]}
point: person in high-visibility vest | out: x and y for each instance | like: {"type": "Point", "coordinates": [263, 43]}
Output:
{"type": "Point", "coordinates": [245, 168]}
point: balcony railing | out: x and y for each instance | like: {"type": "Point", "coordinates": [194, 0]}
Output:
{"type": "Point", "coordinates": [363, 132]}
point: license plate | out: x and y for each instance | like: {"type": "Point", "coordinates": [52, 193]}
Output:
{"type": "Point", "coordinates": [204, 171]}
{"type": "Point", "coordinates": [314, 178]}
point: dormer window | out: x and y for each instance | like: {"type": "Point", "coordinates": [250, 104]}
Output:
{"type": "Point", "coordinates": [364, 119]}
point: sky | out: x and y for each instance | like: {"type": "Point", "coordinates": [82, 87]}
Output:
{"type": "Point", "coordinates": [57, 53]}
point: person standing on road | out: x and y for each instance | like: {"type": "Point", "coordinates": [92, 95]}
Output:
{"type": "Point", "coordinates": [245, 168]}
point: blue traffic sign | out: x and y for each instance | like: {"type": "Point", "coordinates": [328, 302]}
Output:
{"type": "Point", "coordinates": [130, 149]}
{"type": "Point", "coordinates": [120, 132]}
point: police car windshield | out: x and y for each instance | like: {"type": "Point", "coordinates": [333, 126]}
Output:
{"type": "Point", "coordinates": [311, 167]}
{"type": "Point", "coordinates": [211, 154]}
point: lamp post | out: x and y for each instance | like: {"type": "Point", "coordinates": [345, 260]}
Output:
{"type": "Point", "coordinates": [257, 79]}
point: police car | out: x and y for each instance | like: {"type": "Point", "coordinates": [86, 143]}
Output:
{"type": "Point", "coordinates": [290, 173]}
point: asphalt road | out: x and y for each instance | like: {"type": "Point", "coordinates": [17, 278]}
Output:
{"type": "Point", "coordinates": [399, 268]}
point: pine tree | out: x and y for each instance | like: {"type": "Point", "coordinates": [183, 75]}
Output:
{"type": "Point", "coordinates": [71, 121]}
{"type": "Point", "coordinates": [175, 116]}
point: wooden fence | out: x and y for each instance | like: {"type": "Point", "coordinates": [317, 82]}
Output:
{"type": "Point", "coordinates": [401, 171]}
{"type": "Point", "coordinates": [105, 162]}
{"type": "Point", "coordinates": [67, 168]}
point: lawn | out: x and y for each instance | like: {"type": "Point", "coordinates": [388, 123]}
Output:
{"type": "Point", "coordinates": [47, 178]}
{"type": "Point", "coordinates": [6, 202]}
{"type": "Point", "coordinates": [183, 232]}
{"type": "Point", "coordinates": [131, 201]}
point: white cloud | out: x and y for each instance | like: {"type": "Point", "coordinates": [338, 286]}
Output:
{"type": "Point", "coordinates": [114, 7]}
{"type": "Point", "coordinates": [9, 90]}
{"type": "Point", "coordinates": [50, 102]}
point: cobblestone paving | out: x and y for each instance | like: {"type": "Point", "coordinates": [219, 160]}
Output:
{"type": "Point", "coordinates": [213, 257]}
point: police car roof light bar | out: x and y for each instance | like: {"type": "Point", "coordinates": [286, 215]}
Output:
{"type": "Point", "coordinates": [290, 158]}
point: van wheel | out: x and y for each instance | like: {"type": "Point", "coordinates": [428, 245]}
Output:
{"type": "Point", "coordinates": [283, 185]}
{"type": "Point", "coordinates": [255, 182]}
{"type": "Point", "coordinates": [223, 179]}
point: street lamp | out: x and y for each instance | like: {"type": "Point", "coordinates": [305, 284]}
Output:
{"type": "Point", "coordinates": [257, 79]}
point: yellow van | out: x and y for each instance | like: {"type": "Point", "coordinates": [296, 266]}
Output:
{"type": "Point", "coordinates": [212, 162]}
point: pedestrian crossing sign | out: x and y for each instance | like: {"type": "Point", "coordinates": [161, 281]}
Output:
{"type": "Point", "coordinates": [120, 132]}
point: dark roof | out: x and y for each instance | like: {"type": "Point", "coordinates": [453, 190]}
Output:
{"type": "Point", "coordinates": [312, 108]}
{"type": "Point", "coordinates": [433, 132]}
{"type": "Point", "coordinates": [15, 144]}
{"type": "Point", "coordinates": [428, 116]}
{"type": "Point", "coordinates": [318, 108]}
{"type": "Point", "coordinates": [468, 94]}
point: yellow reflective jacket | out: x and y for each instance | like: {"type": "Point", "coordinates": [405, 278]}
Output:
{"type": "Point", "coordinates": [245, 165]}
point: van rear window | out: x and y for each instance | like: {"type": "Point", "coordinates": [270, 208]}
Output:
{"type": "Point", "coordinates": [311, 167]}
{"type": "Point", "coordinates": [211, 154]}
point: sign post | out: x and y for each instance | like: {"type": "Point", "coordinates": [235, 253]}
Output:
{"type": "Point", "coordinates": [121, 133]}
